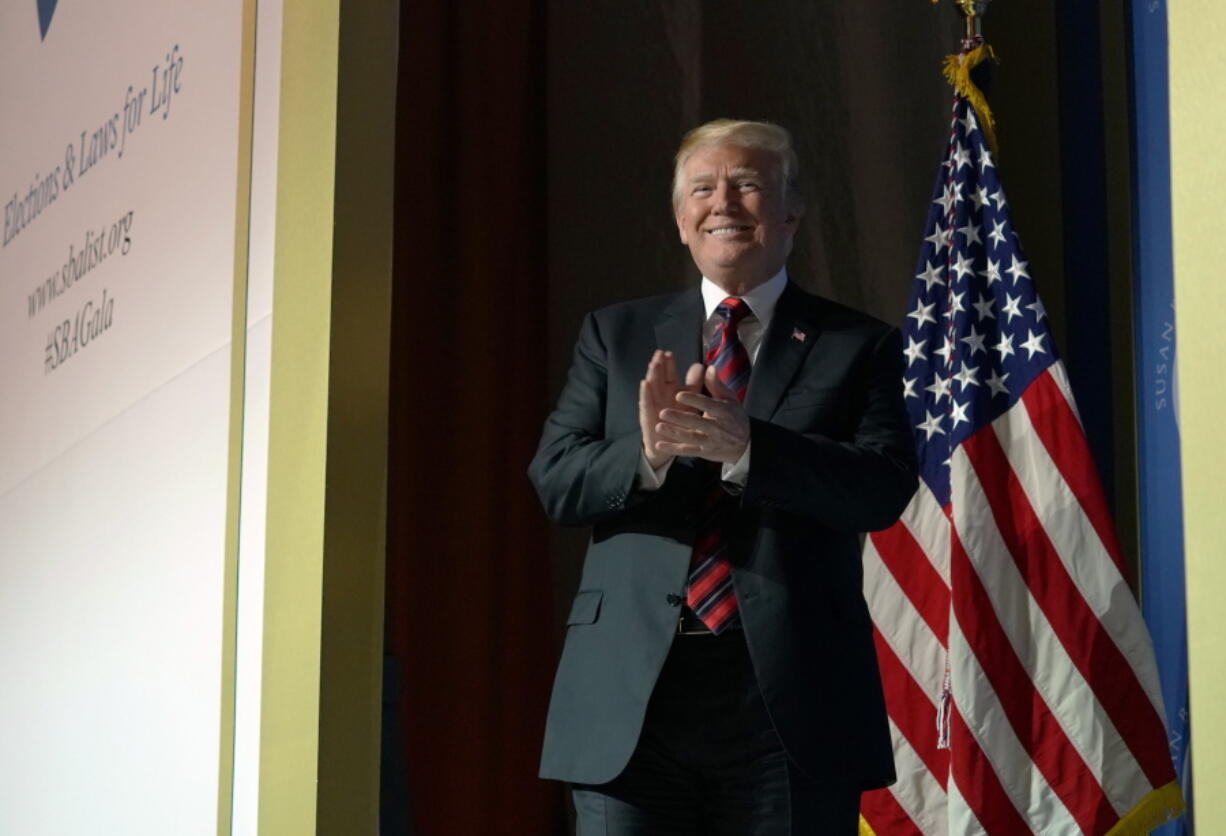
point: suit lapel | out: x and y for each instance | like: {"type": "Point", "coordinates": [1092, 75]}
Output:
{"type": "Point", "coordinates": [679, 329]}
{"type": "Point", "coordinates": [793, 331]}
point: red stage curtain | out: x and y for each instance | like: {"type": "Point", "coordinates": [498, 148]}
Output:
{"type": "Point", "coordinates": [469, 585]}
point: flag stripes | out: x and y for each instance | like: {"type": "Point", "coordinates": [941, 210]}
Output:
{"type": "Point", "coordinates": [1006, 704]}
{"type": "Point", "coordinates": [1079, 635]}
{"type": "Point", "coordinates": [913, 714]}
{"type": "Point", "coordinates": [888, 815]}
{"type": "Point", "coordinates": [1049, 411]}
{"type": "Point", "coordinates": [960, 816]}
{"type": "Point", "coordinates": [1071, 460]}
{"type": "Point", "coordinates": [899, 625]}
{"type": "Point", "coordinates": [976, 779]}
{"type": "Point", "coordinates": [912, 796]}
{"type": "Point", "coordinates": [1059, 631]}
{"type": "Point", "coordinates": [928, 524]}
{"type": "Point", "coordinates": [923, 587]}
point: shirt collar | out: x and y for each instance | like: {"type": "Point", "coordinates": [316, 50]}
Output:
{"type": "Point", "coordinates": [761, 300]}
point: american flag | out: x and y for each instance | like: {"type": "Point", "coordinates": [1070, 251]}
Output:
{"type": "Point", "coordinates": [1019, 677]}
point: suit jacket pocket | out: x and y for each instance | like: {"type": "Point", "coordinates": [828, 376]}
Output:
{"type": "Point", "coordinates": [586, 608]}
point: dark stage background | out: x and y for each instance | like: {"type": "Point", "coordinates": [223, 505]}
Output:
{"type": "Point", "coordinates": [535, 140]}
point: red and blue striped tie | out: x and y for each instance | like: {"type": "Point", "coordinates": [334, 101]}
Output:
{"type": "Point", "coordinates": [709, 593]}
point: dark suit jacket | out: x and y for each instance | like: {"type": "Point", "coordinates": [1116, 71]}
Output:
{"type": "Point", "coordinates": [832, 456]}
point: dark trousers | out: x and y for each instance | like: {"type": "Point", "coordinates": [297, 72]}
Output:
{"type": "Point", "coordinates": [708, 761]}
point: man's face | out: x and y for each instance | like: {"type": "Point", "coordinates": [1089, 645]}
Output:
{"type": "Point", "coordinates": [733, 215]}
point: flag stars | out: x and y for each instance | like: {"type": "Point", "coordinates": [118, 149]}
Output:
{"type": "Point", "coordinates": [939, 387]}
{"type": "Point", "coordinates": [966, 376]}
{"type": "Point", "coordinates": [971, 233]}
{"type": "Point", "coordinates": [955, 306]}
{"type": "Point", "coordinates": [1034, 345]}
{"type": "Point", "coordinates": [975, 341]}
{"type": "Point", "coordinates": [980, 197]}
{"type": "Point", "coordinates": [962, 157]}
{"type": "Point", "coordinates": [940, 238]}
{"type": "Point", "coordinates": [969, 124]}
{"type": "Point", "coordinates": [958, 413]}
{"type": "Point", "coordinates": [931, 426]}
{"type": "Point", "coordinates": [946, 199]}
{"type": "Point", "coordinates": [1017, 270]}
{"type": "Point", "coordinates": [997, 235]}
{"type": "Point", "coordinates": [1004, 347]}
{"type": "Point", "coordinates": [1012, 307]}
{"type": "Point", "coordinates": [922, 313]}
{"type": "Point", "coordinates": [963, 267]}
{"type": "Point", "coordinates": [947, 349]}
{"type": "Point", "coordinates": [996, 382]}
{"type": "Point", "coordinates": [992, 272]}
{"type": "Point", "coordinates": [931, 276]}
{"type": "Point", "coordinates": [958, 366]}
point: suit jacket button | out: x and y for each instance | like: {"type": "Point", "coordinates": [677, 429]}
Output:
{"type": "Point", "coordinates": [673, 600]}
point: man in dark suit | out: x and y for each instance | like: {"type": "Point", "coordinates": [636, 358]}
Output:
{"type": "Point", "coordinates": [718, 674]}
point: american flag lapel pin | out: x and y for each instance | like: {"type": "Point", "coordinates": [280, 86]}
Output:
{"type": "Point", "coordinates": [798, 335]}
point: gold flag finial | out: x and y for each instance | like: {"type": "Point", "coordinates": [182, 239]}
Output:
{"type": "Point", "coordinates": [973, 11]}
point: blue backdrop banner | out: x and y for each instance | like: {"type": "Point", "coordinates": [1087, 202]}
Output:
{"type": "Point", "coordinates": [1161, 502]}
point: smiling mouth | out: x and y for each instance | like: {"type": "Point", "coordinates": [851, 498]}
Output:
{"type": "Point", "coordinates": [720, 231]}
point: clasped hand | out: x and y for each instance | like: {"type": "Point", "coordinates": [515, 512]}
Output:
{"type": "Point", "coordinates": [678, 420]}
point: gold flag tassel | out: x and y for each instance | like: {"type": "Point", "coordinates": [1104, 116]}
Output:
{"type": "Point", "coordinates": [958, 74]}
{"type": "Point", "coordinates": [1154, 810]}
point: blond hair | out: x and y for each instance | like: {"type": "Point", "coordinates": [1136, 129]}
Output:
{"type": "Point", "coordinates": [761, 136]}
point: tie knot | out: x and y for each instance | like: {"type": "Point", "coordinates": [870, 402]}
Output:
{"type": "Point", "coordinates": [733, 309]}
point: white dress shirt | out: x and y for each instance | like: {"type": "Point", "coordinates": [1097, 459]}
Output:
{"type": "Point", "coordinates": [761, 301]}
